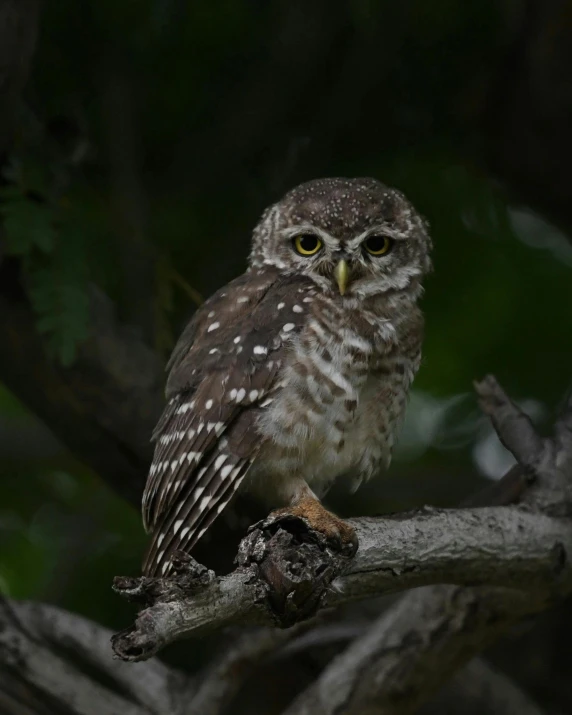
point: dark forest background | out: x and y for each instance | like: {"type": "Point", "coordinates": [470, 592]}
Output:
{"type": "Point", "coordinates": [151, 136]}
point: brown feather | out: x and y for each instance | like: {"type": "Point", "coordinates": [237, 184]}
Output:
{"type": "Point", "coordinates": [216, 382]}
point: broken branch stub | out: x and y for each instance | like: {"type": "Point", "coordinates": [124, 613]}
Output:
{"type": "Point", "coordinates": [297, 563]}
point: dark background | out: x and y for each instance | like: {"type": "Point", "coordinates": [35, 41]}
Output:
{"type": "Point", "coordinates": [151, 137]}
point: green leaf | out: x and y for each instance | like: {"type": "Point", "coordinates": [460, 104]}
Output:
{"type": "Point", "coordinates": [57, 290]}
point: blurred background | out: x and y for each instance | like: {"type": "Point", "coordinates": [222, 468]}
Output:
{"type": "Point", "coordinates": [152, 135]}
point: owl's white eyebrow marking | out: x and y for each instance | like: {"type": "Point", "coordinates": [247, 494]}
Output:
{"type": "Point", "coordinates": [355, 242]}
{"type": "Point", "coordinates": [213, 326]}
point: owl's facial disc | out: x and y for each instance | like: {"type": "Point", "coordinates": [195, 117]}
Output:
{"type": "Point", "coordinates": [353, 237]}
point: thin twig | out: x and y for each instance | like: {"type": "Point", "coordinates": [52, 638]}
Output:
{"type": "Point", "coordinates": [513, 426]}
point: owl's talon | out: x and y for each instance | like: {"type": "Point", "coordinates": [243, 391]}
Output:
{"type": "Point", "coordinates": [338, 533]}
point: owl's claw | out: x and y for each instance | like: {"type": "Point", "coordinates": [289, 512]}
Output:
{"type": "Point", "coordinates": [339, 533]}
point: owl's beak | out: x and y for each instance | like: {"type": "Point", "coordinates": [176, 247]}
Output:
{"type": "Point", "coordinates": [342, 274]}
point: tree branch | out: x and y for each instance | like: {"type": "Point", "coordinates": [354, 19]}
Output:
{"type": "Point", "coordinates": [514, 428]}
{"type": "Point", "coordinates": [152, 686]}
{"type": "Point", "coordinates": [53, 662]}
{"type": "Point", "coordinates": [501, 546]}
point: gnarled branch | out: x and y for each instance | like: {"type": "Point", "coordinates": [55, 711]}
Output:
{"type": "Point", "coordinates": [286, 572]}
{"type": "Point", "coordinates": [500, 546]}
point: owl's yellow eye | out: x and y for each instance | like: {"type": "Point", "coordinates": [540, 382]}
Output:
{"type": "Point", "coordinates": [307, 244]}
{"type": "Point", "coordinates": [377, 245]}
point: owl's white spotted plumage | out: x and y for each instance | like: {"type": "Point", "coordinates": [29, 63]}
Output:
{"type": "Point", "coordinates": [297, 372]}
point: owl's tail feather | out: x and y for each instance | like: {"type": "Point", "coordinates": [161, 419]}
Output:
{"type": "Point", "coordinates": [187, 521]}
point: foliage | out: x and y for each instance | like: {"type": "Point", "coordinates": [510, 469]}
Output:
{"type": "Point", "coordinates": [46, 235]}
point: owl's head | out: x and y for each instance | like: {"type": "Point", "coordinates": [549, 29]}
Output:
{"type": "Point", "coordinates": [356, 237]}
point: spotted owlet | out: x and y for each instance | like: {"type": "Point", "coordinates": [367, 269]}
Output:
{"type": "Point", "coordinates": [297, 372]}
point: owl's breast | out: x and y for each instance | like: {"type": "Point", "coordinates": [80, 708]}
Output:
{"type": "Point", "coordinates": [337, 405]}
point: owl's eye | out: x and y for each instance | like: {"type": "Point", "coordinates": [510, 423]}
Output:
{"type": "Point", "coordinates": [377, 245]}
{"type": "Point", "coordinates": [307, 244]}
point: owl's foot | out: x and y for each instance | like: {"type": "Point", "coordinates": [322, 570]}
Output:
{"type": "Point", "coordinates": [337, 531]}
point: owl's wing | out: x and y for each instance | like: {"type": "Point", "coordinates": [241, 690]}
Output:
{"type": "Point", "coordinates": [222, 374]}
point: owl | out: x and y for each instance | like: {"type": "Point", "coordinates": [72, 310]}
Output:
{"type": "Point", "coordinates": [297, 372]}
